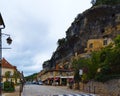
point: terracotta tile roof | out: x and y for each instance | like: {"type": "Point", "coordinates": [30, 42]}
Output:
{"type": "Point", "coordinates": [6, 64]}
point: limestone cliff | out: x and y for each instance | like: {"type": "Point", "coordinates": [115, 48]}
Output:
{"type": "Point", "coordinates": [96, 22]}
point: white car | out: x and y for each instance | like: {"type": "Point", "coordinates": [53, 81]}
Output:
{"type": "Point", "coordinates": [40, 83]}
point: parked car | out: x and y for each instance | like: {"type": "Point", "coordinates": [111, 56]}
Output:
{"type": "Point", "coordinates": [34, 82]}
{"type": "Point", "coordinates": [40, 83]}
{"type": "Point", "coordinates": [27, 83]}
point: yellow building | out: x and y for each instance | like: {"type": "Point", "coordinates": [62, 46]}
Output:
{"type": "Point", "coordinates": [7, 67]}
{"type": "Point", "coordinates": [97, 44]}
{"type": "Point", "coordinates": [55, 77]}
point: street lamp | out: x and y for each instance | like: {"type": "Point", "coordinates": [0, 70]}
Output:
{"type": "Point", "coordinates": [9, 41]}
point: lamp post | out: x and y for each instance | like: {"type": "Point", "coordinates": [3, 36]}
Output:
{"type": "Point", "coordinates": [9, 41]}
{"type": "Point", "coordinates": [81, 73]}
{"type": "Point", "coordinates": [22, 81]}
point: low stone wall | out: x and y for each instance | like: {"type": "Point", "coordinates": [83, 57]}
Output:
{"type": "Point", "coordinates": [110, 88]}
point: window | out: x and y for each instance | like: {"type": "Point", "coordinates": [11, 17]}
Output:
{"type": "Point", "coordinates": [91, 45]}
{"type": "Point", "coordinates": [105, 42]}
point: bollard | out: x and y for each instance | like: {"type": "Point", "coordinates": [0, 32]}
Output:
{"type": "Point", "coordinates": [89, 89]}
{"type": "Point", "coordinates": [21, 89]}
{"type": "Point", "coordinates": [94, 89]}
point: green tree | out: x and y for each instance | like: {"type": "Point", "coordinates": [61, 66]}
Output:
{"type": "Point", "coordinates": [16, 75]}
{"type": "Point", "coordinates": [61, 42]}
{"type": "Point", "coordinates": [106, 2]}
{"type": "Point", "coordinates": [117, 41]}
{"type": "Point", "coordinates": [110, 62]}
{"type": "Point", "coordinates": [76, 67]}
{"type": "Point", "coordinates": [7, 75]}
{"type": "Point", "coordinates": [115, 60]}
{"type": "Point", "coordinates": [106, 60]}
{"type": "Point", "coordinates": [78, 64]}
{"type": "Point", "coordinates": [105, 55]}
{"type": "Point", "coordinates": [94, 64]}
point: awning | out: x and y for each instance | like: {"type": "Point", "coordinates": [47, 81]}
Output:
{"type": "Point", "coordinates": [50, 78]}
{"type": "Point", "coordinates": [57, 78]}
{"type": "Point", "coordinates": [71, 80]}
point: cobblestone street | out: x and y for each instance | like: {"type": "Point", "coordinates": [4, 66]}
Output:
{"type": "Point", "coordinates": [41, 90]}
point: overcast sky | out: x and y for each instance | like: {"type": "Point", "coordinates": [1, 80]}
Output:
{"type": "Point", "coordinates": [35, 27]}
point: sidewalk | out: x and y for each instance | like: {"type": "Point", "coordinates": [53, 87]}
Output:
{"type": "Point", "coordinates": [16, 93]}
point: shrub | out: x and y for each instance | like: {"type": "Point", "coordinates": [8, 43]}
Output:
{"type": "Point", "coordinates": [9, 86]}
{"type": "Point", "coordinates": [107, 2]}
{"type": "Point", "coordinates": [103, 78]}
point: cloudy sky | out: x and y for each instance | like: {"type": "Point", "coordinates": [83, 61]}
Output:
{"type": "Point", "coordinates": [35, 27]}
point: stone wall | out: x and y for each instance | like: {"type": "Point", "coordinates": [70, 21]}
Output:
{"type": "Point", "coordinates": [110, 88]}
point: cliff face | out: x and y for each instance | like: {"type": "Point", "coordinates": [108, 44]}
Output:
{"type": "Point", "coordinates": [94, 23]}
{"type": "Point", "coordinates": [99, 22]}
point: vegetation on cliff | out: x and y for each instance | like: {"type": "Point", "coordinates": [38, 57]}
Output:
{"type": "Point", "coordinates": [103, 65]}
{"type": "Point", "coordinates": [105, 2]}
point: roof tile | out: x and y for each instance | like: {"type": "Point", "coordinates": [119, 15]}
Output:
{"type": "Point", "coordinates": [6, 64]}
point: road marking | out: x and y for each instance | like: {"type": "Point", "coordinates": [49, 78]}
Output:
{"type": "Point", "coordinates": [76, 95]}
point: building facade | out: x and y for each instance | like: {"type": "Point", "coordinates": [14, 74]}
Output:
{"type": "Point", "coordinates": [56, 77]}
{"type": "Point", "coordinates": [7, 67]}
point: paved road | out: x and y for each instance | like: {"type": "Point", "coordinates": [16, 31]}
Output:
{"type": "Point", "coordinates": [41, 90]}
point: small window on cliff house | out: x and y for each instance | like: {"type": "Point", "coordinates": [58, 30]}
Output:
{"type": "Point", "coordinates": [105, 42]}
{"type": "Point", "coordinates": [102, 30]}
{"type": "Point", "coordinates": [91, 45]}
